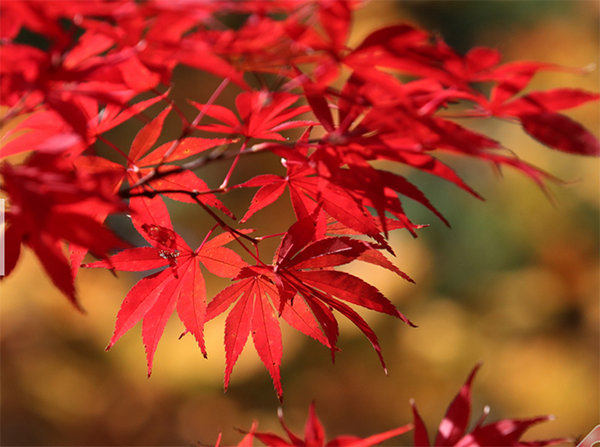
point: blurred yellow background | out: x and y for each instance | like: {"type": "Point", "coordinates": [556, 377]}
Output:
{"type": "Point", "coordinates": [514, 283]}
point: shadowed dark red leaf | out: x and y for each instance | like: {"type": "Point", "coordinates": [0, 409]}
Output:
{"type": "Point", "coordinates": [560, 132]}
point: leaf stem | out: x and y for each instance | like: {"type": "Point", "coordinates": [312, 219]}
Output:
{"type": "Point", "coordinates": [116, 148]}
{"type": "Point", "coordinates": [236, 234]}
{"type": "Point", "coordinates": [237, 157]}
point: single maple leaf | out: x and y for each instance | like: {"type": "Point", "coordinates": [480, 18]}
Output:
{"type": "Point", "coordinates": [179, 287]}
{"type": "Point", "coordinates": [453, 428]}
{"type": "Point", "coordinates": [314, 435]}
{"type": "Point", "coordinates": [252, 312]}
{"type": "Point", "coordinates": [141, 155]}
{"type": "Point", "coordinates": [263, 115]}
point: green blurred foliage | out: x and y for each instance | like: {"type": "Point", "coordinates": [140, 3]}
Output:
{"type": "Point", "coordinates": [462, 22]}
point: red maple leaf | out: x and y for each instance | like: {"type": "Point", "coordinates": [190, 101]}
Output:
{"type": "Point", "coordinates": [309, 191]}
{"type": "Point", "coordinates": [142, 161]}
{"type": "Point", "coordinates": [263, 115]}
{"type": "Point", "coordinates": [453, 428]}
{"type": "Point", "coordinates": [43, 82]}
{"type": "Point", "coordinates": [179, 287]}
{"type": "Point", "coordinates": [314, 435]}
{"type": "Point", "coordinates": [537, 113]}
{"type": "Point", "coordinates": [337, 176]}
{"type": "Point", "coordinates": [302, 288]}
{"type": "Point", "coordinates": [101, 54]}
{"type": "Point", "coordinates": [397, 130]}
{"type": "Point", "coordinates": [45, 130]}
{"type": "Point", "coordinates": [51, 204]}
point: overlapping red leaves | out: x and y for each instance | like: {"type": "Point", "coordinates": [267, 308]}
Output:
{"type": "Point", "coordinates": [452, 430]}
{"type": "Point", "coordinates": [85, 73]}
{"type": "Point", "coordinates": [52, 203]}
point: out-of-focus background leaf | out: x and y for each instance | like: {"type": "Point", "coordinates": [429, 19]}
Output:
{"type": "Point", "coordinates": [514, 283]}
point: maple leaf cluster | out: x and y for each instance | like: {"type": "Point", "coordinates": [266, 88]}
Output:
{"type": "Point", "coordinates": [452, 430]}
{"type": "Point", "coordinates": [293, 73]}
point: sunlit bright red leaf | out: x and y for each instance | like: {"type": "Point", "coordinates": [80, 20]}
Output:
{"type": "Point", "coordinates": [314, 435]}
